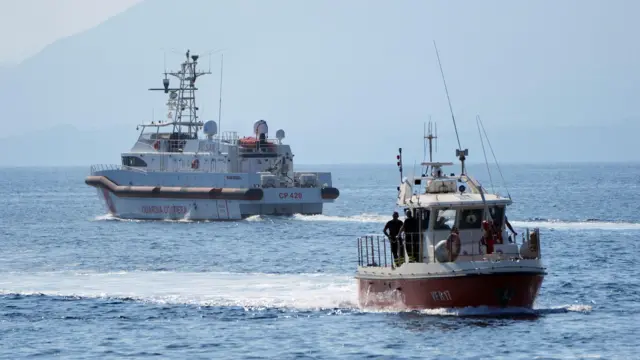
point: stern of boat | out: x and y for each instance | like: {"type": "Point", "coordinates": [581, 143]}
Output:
{"type": "Point", "coordinates": [499, 280]}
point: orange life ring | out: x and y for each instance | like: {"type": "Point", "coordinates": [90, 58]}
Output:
{"type": "Point", "coordinates": [156, 145]}
{"type": "Point", "coordinates": [195, 164]}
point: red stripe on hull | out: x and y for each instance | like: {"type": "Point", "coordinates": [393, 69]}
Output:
{"type": "Point", "coordinates": [111, 207]}
{"type": "Point", "coordinates": [496, 290]}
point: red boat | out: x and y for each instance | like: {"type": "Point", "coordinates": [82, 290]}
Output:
{"type": "Point", "coordinates": [460, 256]}
{"type": "Point", "coordinates": [453, 250]}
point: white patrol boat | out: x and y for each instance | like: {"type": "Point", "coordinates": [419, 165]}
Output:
{"type": "Point", "coordinates": [172, 173]}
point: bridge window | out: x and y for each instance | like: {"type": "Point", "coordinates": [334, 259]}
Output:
{"type": "Point", "coordinates": [497, 214]}
{"type": "Point", "coordinates": [423, 217]}
{"type": "Point", "coordinates": [445, 220]}
{"type": "Point", "coordinates": [470, 219]}
{"type": "Point", "coordinates": [133, 161]}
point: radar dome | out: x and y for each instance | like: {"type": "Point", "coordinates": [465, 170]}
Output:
{"type": "Point", "coordinates": [260, 127]}
{"type": "Point", "coordinates": [210, 128]}
{"type": "Point", "coordinates": [280, 134]}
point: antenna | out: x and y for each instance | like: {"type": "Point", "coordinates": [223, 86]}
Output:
{"type": "Point", "coordinates": [424, 143]}
{"type": "Point", "coordinates": [165, 81]}
{"type": "Point", "coordinates": [430, 137]}
{"type": "Point", "coordinates": [436, 126]}
{"type": "Point", "coordinates": [220, 99]}
{"type": "Point", "coordinates": [182, 108]}
{"type": "Point", "coordinates": [211, 52]}
{"type": "Point", "coordinates": [459, 152]}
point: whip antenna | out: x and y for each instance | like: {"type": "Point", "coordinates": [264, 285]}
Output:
{"type": "Point", "coordinates": [460, 153]}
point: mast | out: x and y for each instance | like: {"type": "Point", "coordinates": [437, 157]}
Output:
{"type": "Point", "coordinates": [220, 98]}
{"type": "Point", "coordinates": [460, 153]}
{"type": "Point", "coordinates": [182, 108]}
{"type": "Point", "coordinates": [430, 136]}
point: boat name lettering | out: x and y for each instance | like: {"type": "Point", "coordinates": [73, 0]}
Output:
{"type": "Point", "coordinates": [293, 195]}
{"type": "Point", "coordinates": [441, 295]}
{"type": "Point", "coordinates": [233, 177]}
{"type": "Point", "coordinates": [166, 209]}
{"type": "Point", "coordinates": [207, 147]}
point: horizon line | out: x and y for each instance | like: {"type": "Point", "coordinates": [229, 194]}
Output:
{"type": "Point", "coordinates": [557, 162]}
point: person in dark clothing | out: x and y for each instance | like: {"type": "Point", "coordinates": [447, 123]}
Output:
{"type": "Point", "coordinates": [392, 230]}
{"type": "Point", "coordinates": [411, 229]}
{"type": "Point", "coordinates": [510, 228]}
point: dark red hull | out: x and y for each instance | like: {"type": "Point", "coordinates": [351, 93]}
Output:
{"type": "Point", "coordinates": [491, 290]}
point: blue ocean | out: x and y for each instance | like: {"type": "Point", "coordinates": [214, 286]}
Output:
{"type": "Point", "coordinates": [76, 283]}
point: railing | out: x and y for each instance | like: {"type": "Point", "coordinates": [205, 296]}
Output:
{"type": "Point", "coordinates": [531, 248]}
{"type": "Point", "coordinates": [377, 250]}
{"type": "Point", "coordinates": [105, 167]}
{"type": "Point", "coordinates": [369, 253]}
{"type": "Point", "coordinates": [229, 137]}
{"type": "Point", "coordinates": [178, 145]}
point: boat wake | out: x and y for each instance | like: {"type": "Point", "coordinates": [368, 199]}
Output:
{"type": "Point", "coordinates": [590, 224]}
{"type": "Point", "coordinates": [251, 291]}
{"type": "Point", "coordinates": [551, 224]}
{"type": "Point", "coordinates": [508, 312]}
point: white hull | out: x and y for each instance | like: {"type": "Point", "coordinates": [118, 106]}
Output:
{"type": "Point", "coordinates": [204, 209]}
{"type": "Point", "coordinates": [174, 200]}
{"type": "Point", "coordinates": [173, 172]}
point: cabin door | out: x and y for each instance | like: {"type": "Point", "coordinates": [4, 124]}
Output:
{"type": "Point", "coordinates": [423, 219]}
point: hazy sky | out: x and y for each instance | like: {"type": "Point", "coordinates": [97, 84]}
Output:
{"type": "Point", "coordinates": [552, 80]}
{"type": "Point", "coordinates": [41, 22]}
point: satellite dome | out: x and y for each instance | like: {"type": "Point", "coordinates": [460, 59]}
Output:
{"type": "Point", "coordinates": [280, 134]}
{"type": "Point", "coordinates": [210, 128]}
{"type": "Point", "coordinates": [260, 127]}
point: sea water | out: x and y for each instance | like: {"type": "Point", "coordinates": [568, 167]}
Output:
{"type": "Point", "coordinates": [77, 283]}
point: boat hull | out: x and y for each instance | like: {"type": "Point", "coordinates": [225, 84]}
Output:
{"type": "Point", "coordinates": [500, 290]}
{"type": "Point", "coordinates": [208, 204]}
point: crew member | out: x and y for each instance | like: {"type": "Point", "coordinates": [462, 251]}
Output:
{"type": "Point", "coordinates": [392, 230]}
{"type": "Point", "coordinates": [411, 229]}
{"type": "Point", "coordinates": [506, 221]}
{"type": "Point", "coordinates": [487, 237]}
{"type": "Point", "coordinates": [453, 244]}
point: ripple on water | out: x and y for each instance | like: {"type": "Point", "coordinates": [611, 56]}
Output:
{"type": "Point", "coordinates": [77, 283]}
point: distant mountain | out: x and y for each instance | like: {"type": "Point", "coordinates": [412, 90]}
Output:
{"type": "Point", "coordinates": [65, 145]}
{"type": "Point", "coordinates": [349, 81]}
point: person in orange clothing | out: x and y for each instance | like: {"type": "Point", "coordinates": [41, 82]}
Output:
{"type": "Point", "coordinates": [487, 238]}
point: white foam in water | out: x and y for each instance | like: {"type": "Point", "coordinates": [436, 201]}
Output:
{"type": "Point", "coordinates": [295, 292]}
{"type": "Point", "coordinates": [577, 225]}
{"type": "Point", "coordinates": [364, 218]}
{"type": "Point", "coordinates": [559, 225]}
{"type": "Point", "coordinates": [376, 218]}
{"type": "Point", "coordinates": [304, 291]}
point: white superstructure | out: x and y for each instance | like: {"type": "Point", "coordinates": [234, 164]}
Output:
{"type": "Point", "coordinates": [171, 172]}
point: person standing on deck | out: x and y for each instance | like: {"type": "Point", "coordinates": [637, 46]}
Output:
{"type": "Point", "coordinates": [392, 230]}
{"type": "Point", "coordinates": [506, 221]}
{"type": "Point", "coordinates": [411, 229]}
{"type": "Point", "coordinates": [487, 237]}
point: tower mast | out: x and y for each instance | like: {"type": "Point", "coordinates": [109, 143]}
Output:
{"type": "Point", "coordinates": [182, 107]}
